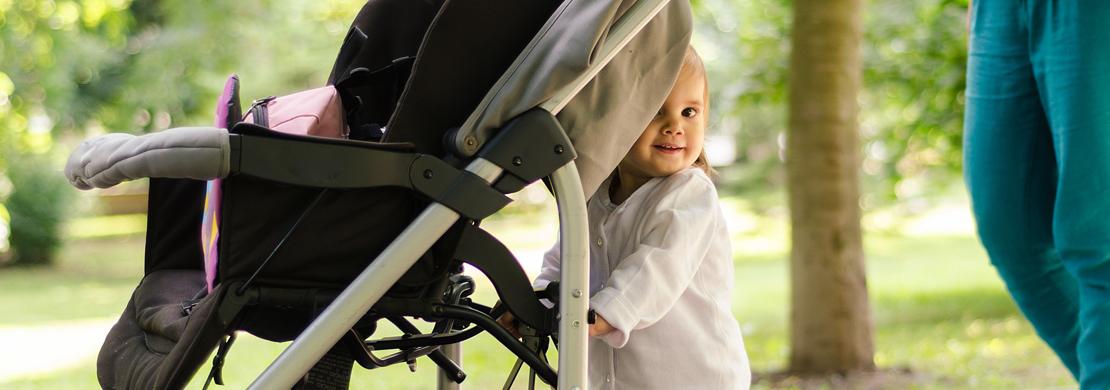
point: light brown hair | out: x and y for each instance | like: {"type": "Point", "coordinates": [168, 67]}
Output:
{"type": "Point", "coordinates": [693, 66]}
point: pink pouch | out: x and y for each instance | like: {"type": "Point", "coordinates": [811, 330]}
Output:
{"type": "Point", "coordinates": [316, 112]}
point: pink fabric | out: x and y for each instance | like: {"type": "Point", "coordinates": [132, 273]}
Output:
{"type": "Point", "coordinates": [210, 222]}
{"type": "Point", "coordinates": [316, 112]}
{"type": "Point", "coordinates": [210, 231]}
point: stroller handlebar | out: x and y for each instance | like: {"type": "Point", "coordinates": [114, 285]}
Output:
{"type": "Point", "coordinates": [185, 152]}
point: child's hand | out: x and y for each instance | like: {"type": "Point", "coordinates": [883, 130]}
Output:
{"type": "Point", "coordinates": [600, 326]}
{"type": "Point", "coordinates": [507, 321]}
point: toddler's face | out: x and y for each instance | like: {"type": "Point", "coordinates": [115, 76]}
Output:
{"type": "Point", "coordinates": [674, 138]}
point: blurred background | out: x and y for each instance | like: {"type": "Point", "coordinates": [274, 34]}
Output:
{"type": "Point", "coordinates": [70, 69]}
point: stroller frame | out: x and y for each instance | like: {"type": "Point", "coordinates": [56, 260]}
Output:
{"type": "Point", "coordinates": [401, 214]}
{"type": "Point", "coordinates": [403, 252]}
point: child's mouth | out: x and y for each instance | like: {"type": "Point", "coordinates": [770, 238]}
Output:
{"type": "Point", "coordinates": [668, 148]}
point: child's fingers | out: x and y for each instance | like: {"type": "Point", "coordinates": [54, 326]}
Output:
{"type": "Point", "coordinates": [600, 327]}
{"type": "Point", "coordinates": [508, 322]}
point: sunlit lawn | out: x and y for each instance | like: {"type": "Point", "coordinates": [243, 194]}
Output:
{"type": "Point", "coordinates": [941, 316]}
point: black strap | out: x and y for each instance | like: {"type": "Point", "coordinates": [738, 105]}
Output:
{"type": "Point", "coordinates": [281, 242]}
{"type": "Point", "coordinates": [217, 372]}
{"type": "Point", "coordinates": [188, 305]}
{"type": "Point", "coordinates": [260, 111]}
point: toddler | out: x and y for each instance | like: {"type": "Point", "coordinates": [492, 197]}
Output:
{"type": "Point", "coordinates": [661, 270]}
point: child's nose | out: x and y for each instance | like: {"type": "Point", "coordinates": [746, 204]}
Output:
{"type": "Point", "coordinates": [673, 128]}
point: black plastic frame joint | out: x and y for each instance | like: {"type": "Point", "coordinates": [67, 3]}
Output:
{"type": "Point", "coordinates": [459, 190]}
{"type": "Point", "coordinates": [530, 147]}
{"type": "Point", "coordinates": [483, 251]}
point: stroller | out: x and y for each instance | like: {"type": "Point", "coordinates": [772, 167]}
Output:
{"type": "Point", "coordinates": [316, 237]}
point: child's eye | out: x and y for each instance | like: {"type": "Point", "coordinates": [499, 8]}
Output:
{"type": "Point", "coordinates": [689, 112]}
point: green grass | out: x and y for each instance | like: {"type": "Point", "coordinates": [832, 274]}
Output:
{"type": "Point", "coordinates": [93, 279]}
{"type": "Point", "coordinates": [939, 311]}
{"type": "Point", "coordinates": [941, 315]}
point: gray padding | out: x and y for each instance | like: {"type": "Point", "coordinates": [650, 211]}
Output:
{"type": "Point", "coordinates": [185, 152]}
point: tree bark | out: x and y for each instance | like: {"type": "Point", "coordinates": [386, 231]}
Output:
{"type": "Point", "coordinates": [830, 318]}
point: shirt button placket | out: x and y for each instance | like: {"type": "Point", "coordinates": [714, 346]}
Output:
{"type": "Point", "coordinates": [612, 369]}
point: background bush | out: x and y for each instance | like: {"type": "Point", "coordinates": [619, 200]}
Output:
{"type": "Point", "coordinates": [37, 206]}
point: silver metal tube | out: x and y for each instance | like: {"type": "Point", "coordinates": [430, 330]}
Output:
{"type": "Point", "coordinates": [454, 352]}
{"type": "Point", "coordinates": [620, 34]}
{"type": "Point", "coordinates": [574, 278]}
{"type": "Point", "coordinates": [364, 291]}
{"type": "Point", "coordinates": [574, 289]}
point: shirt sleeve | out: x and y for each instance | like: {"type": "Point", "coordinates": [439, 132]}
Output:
{"type": "Point", "coordinates": [549, 270]}
{"type": "Point", "coordinates": [645, 285]}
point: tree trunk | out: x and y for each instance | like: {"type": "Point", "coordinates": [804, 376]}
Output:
{"type": "Point", "coordinates": [830, 319]}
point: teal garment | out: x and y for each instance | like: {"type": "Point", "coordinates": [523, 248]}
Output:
{"type": "Point", "coordinates": [1037, 165]}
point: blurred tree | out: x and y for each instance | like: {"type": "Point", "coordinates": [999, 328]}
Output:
{"type": "Point", "coordinates": [830, 322]}
{"type": "Point", "coordinates": [912, 102]}
{"type": "Point", "coordinates": [48, 51]}
{"type": "Point", "coordinates": [910, 122]}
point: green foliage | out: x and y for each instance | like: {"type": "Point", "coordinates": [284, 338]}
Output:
{"type": "Point", "coordinates": [71, 68]}
{"type": "Point", "coordinates": [50, 52]}
{"type": "Point", "coordinates": [911, 105]}
{"type": "Point", "coordinates": [915, 68]}
{"type": "Point", "coordinates": [123, 66]}
{"type": "Point", "coordinates": [746, 49]}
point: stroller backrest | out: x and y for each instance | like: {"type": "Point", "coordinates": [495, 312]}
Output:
{"type": "Point", "coordinates": [470, 44]}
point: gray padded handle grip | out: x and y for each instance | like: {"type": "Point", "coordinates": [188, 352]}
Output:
{"type": "Point", "coordinates": [185, 152]}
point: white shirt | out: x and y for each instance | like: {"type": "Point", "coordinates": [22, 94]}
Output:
{"type": "Point", "coordinates": [661, 273]}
